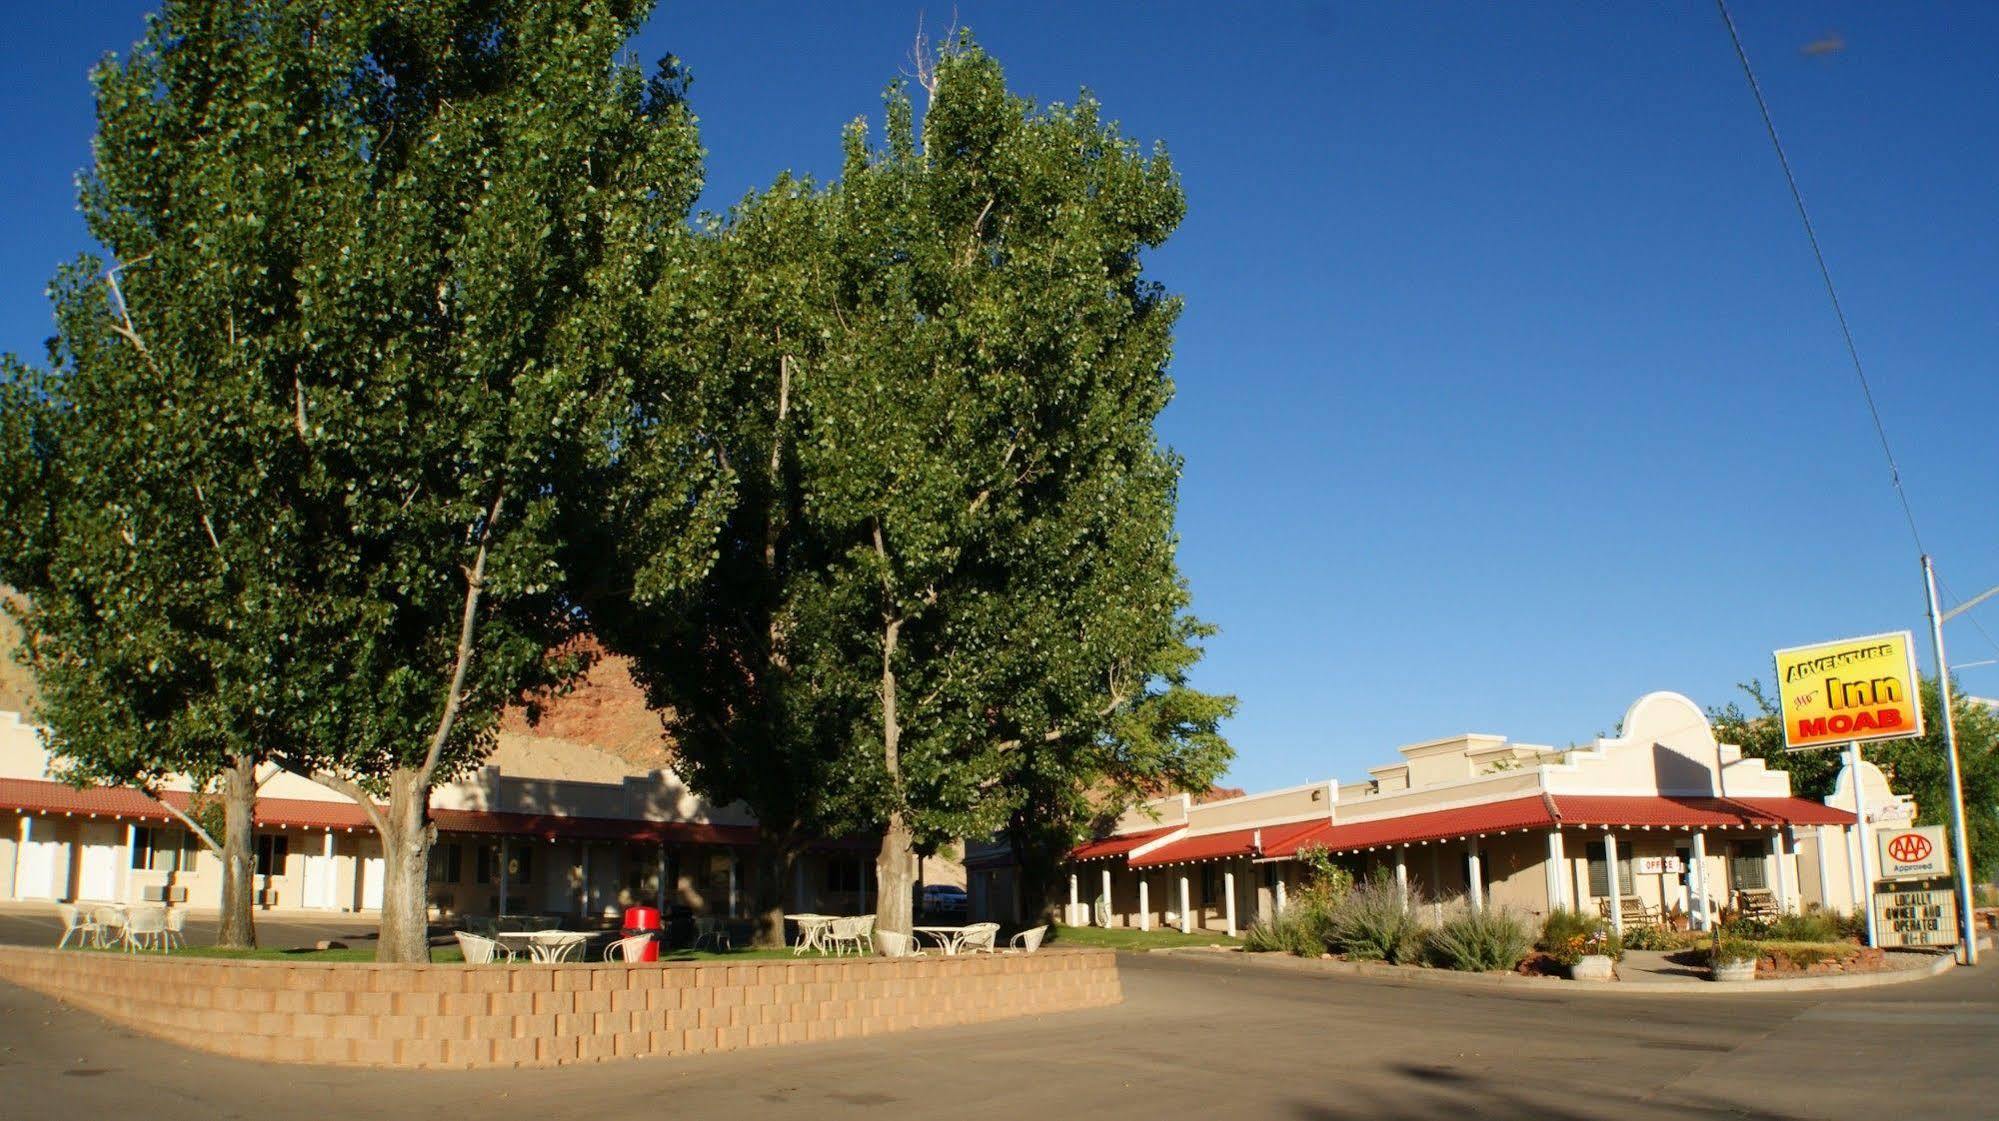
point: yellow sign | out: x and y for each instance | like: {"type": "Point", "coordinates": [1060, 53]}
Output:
{"type": "Point", "coordinates": [1857, 689]}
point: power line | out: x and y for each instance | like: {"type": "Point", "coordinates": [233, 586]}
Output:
{"type": "Point", "coordinates": [1825, 273]}
{"type": "Point", "coordinates": [1969, 618]}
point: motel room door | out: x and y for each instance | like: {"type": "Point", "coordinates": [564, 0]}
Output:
{"type": "Point", "coordinates": [40, 855]}
{"type": "Point", "coordinates": [97, 864]}
{"type": "Point", "coordinates": [319, 881]}
{"type": "Point", "coordinates": [372, 870]}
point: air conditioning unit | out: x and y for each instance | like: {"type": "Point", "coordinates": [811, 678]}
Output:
{"type": "Point", "coordinates": [161, 893]}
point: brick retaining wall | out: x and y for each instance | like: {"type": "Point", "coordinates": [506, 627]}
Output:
{"type": "Point", "coordinates": [354, 1013]}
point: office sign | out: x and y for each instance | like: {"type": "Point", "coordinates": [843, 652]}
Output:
{"type": "Point", "coordinates": [1657, 865]}
{"type": "Point", "coordinates": [1918, 853]}
{"type": "Point", "coordinates": [1917, 914]}
{"type": "Point", "coordinates": [1857, 689]}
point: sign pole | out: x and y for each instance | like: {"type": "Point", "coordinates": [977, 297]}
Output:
{"type": "Point", "coordinates": [1967, 932]}
{"type": "Point", "coordinates": [1866, 838]}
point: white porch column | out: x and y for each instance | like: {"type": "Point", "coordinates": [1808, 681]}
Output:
{"type": "Point", "coordinates": [1075, 891]}
{"type": "Point", "coordinates": [1475, 885]}
{"type": "Point", "coordinates": [1557, 893]}
{"type": "Point", "coordinates": [1697, 883]}
{"type": "Point", "coordinates": [1402, 874]}
{"type": "Point", "coordinates": [1144, 904]}
{"type": "Point", "coordinates": [1782, 859]}
{"type": "Point", "coordinates": [125, 866]}
{"type": "Point", "coordinates": [1824, 839]}
{"type": "Point", "coordinates": [21, 856]}
{"type": "Point", "coordinates": [735, 880]}
{"type": "Point", "coordinates": [583, 880]}
{"type": "Point", "coordinates": [1107, 892]}
{"type": "Point", "coordinates": [1436, 882]}
{"type": "Point", "coordinates": [1186, 907]}
{"type": "Point", "coordinates": [500, 911]}
{"type": "Point", "coordinates": [1279, 889]}
{"type": "Point", "coordinates": [1228, 900]}
{"type": "Point", "coordinates": [1616, 886]}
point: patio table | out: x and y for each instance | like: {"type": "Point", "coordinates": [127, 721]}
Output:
{"type": "Point", "coordinates": [544, 945]}
{"type": "Point", "coordinates": [949, 938]}
{"type": "Point", "coordinates": [812, 930]}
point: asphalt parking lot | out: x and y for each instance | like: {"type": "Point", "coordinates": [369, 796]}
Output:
{"type": "Point", "coordinates": [1196, 1036]}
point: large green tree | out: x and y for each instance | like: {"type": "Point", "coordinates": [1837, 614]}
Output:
{"type": "Point", "coordinates": [1918, 767]}
{"type": "Point", "coordinates": [386, 263]}
{"type": "Point", "coordinates": [946, 594]}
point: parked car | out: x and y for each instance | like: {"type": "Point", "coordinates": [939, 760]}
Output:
{"type": "Point", "coordinates": [945, 901]}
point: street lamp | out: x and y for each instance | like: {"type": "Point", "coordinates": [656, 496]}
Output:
{"type": "Point", "coordinates": [1967, 930]}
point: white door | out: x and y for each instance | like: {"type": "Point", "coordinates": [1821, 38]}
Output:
{"type": "Point", "coordinates": [371, 884]}
{"type": "Point", "coordinates": [97, 874]}
{"type": "Point", "coordinates": [40, 853]}
{"type": "Point", "coordinates": [319, 881]}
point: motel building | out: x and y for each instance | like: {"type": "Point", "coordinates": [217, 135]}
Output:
{"type": "Point", "coordinates": [1689, 824]}
{"type": "Point", "coordinates": [508, 844]}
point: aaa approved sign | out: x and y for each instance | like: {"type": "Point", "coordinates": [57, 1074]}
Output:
{"type": "Point", "coordinates": [1921, 915]}
{"type": "Point", "coordinates": [1855, 689]}
{"type": "Point", "coordinates": [1913, 854]}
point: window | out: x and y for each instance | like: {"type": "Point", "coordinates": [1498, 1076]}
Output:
{"type": "Point", "coordinates": [1211, 883]}
{"type": "Point", "coordinates": [1745, 866]}
{"type": "Point", "coordinates": [843, 874]}
{"type": "Point", "coordinates": [444, 863]}
{"type": "Point", "coordinates": [520, 864]}
{"type": "Point", "coordinates": [161, 849]}
{"type": "Point", "coordinates": [271, 852]}
{"type": "Point", "coordinates": [1599, 875]}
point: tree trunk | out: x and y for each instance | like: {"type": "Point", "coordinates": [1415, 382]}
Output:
{"type": "Point", "coordinates": [777, 864]}
{"type": "Point", "coordinates": [406, 841]}
{"type": "Point", "coordinates": [239, 855]}
{"type": "Point", "coordinates": [895, 877]}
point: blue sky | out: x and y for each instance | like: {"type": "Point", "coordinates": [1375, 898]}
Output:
{"type": "Point", "coordinates": [1507, 388]}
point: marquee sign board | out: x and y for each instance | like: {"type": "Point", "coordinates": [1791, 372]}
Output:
{"type": "Point", "coordinates": [1918, 853]}
{"type": "Point", "coordinates": [1920, 913]}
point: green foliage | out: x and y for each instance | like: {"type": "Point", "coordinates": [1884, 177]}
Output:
{"type": "Point", "coordinates": [1375, 923]}
{"type": "Point", "coordinates": [1815, 927]}
{"type": "Point", "coordinates": [1299, 931]}
{"type": "Point", "coordinates": [1567, 935]}
{"type": "Point", "coordinates": [1732, 949]}
{"type": "Point", "coordinates": [1649, 937]}
{"type": "Point", "coordinates": [1481, 940]}
{"type": "Point", "coordinates": [1916, 767]}
{"type": "Point", "coordinates": [947, 598]}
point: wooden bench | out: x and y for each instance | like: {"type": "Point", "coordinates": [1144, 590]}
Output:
{"type": "Point", "coordinates": [1633, 911]}
{"type": "Point", "coordinates": [1756, 903]}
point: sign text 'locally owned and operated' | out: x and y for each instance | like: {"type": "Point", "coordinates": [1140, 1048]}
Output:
{"type": "Point", "coordinates": [1918, 853]}
{"type": "Point", "coordinates": [1919, 913]}
{"type": "Point", "coordinates": [1857, 689]}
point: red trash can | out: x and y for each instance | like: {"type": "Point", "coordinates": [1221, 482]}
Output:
{"type": "Point", "coordinates": [643, 920]}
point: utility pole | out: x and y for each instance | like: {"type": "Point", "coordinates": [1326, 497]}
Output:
{"type": "Point", "coordinates": [1967, 930]}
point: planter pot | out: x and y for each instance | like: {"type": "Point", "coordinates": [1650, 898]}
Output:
{"type": "Point", "coordinates": [1735, 971]}
{"type": "Point", "coordinates": [1592, 967]}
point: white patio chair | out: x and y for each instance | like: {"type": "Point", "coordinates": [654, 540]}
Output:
{"type": "Point", "coordinates": [712, 929]}
{"type": "Point", "coordinates": [849, 930]}
{"type": "Point", "coordinates": [175, 935]}
{"type": "Point", "coordinates": [892, 945]}
{"type": "Point", "coordinates": [74, 922]}
{"type": "Point", "coordinates": [146, 929]}
{"type": "Point", "coordinates": [110, 919]}
{"type": "Point", "coordinates": [481, 950]}
{"type": "Point", "coordinates": [978, 938]}
{"type": "Point", "coordinates": [1102, 910]}
{"type": "Point", "coordinates": [627, 949]}
{"type": "Point", "coordinates": [1027, 941]}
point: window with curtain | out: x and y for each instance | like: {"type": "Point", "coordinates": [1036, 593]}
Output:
{"type": "Point", "coordinates": [1599, 873]}
{"type": "Point", "coordinates": [271, 851]}
{"type": "Point", "coordinates": [1745, 866]}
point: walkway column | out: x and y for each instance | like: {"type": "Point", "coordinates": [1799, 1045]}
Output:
{"type": "Point", "coordinates": [1436, 883]}
{"type": "Point", "coordinates": [1557, 889]}
{"type": "Point", "coordinates": [1107, 894]}
{"type": "Point", "coordinates": [499, 912]}
{"type": "Point", "coordinates": [735, 878]}
{"type": "Point", "coordinates": [1824, 837]}
{"type": "Point", "coordinates": [125, 867]}
{"type": "Point", "coordinates": [1402, 874]}
{"type": "Point", "coordinates": [1144, 904]}
{"type": "Point", "coordinates": [1228, 900]}
{"type": "Point", "coordinates": [1616, 886]}
{"type": "Point", "coordinates": [1697, 883]}
{"type": "Point", "coordinates": [1279, 889]}
{"type": "Point", "coordinates": [1783, 878]}
{"type": "Point", "coordinates": [1186, 907]}
{"type": "Point", "coordinates": [1075, 890]}
{"type": "Point", "coordinates": [21, 856]}
{"type": "Point", "coordinates": [1474, 878]}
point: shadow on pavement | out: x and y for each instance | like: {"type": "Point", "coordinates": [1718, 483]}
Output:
{"type": "Point", "coordinates": [1428, 1092]}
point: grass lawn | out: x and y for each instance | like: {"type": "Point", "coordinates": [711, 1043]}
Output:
{"type": "Point", "coordinates": [1122, 938]}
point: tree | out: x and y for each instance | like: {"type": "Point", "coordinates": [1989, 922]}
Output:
{"type": "Point", "coordinates": [1918, 767]}
{"type": "Point", "coordinates": [946, 586]}
{"type": "Point", "coordinates": [389, 267]}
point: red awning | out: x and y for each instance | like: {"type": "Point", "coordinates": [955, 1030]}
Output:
{"type": "Point", "coordinates": [40, 797]}
{"type": "Point", "coordinates": [1223, 846]}
{"type": "Point", "coordinates": [1569, 810]}
{"type": "Point", "coordinates": [1119, 844]}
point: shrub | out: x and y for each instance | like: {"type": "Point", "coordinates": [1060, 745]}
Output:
{"type": "Point", "coordinates": [1568, 935]}
{"type": "Point", "coordinates": [1300, 930]}
{"type": "Point", "coordinates": [1733, 949]}
{"type": "Point", "coordinates": [1481, 941]}
{"type": "Point", "coordinates": [1852, 925]}
{"type": "Point", "coordinates": [1375, 923]}
{"type": "Point", "coordinates": [1803, 955]}
{"type": "Point", "coordinates": [1659, 938]}
{"type": "Point", "coordinates": [1815, 927]}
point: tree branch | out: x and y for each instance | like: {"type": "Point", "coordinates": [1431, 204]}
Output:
{"type": "Point", "coordinates": [193, 826]}
{"type": "Point", "coordinates": [475, 587]}
{"type": "Point", "coordinates": [360, 797]}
